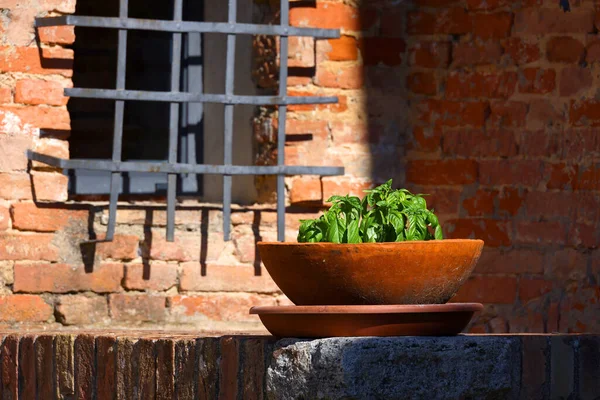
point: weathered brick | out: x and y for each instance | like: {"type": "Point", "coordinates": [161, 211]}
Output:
{"type": "Point", "coordinates": [511, 261]}
{"type": "Point", "coordinates": [492, 26]}
{"type": "Point", "coordinates": [475, 143]}
{"type": "Point", "coordinates": [536, 232]}
{"type": "Point", "coordinates": [537, 80]}
{"type": "Point", "coordinates": [15, 186]}
{"type": "Point", "coordinates": [565, 49]}
{"type": "Point", "coordinates": [81, 310]}
{"type": "Point", "coordinates": [301, 52]}
{"type": "Point", "coordinates": [226, 278]}
{"type": "Point", "coordinates": [137, 308]}
{"type": "Point", "coordinates": [441, 172]}
{"type": "Point", "coordinates": [4, 218]}
{"type": "Point", "coordinates": [387, 51]}
{"type": "Point", "coordinates": [532, 288]}
{"type": "Point", "coordinates": [488, 289]}
{"type": "Point", "coordinates": [57, 34]}
{"type": "Point", "coordinates": [566, 265]}
{"type": "Point", "coordinates": [332, 16]}
{"type": "Point", "coordinates": [5, 95]}
{"type": "Point", "coordinates": [493, 232]}
{"type": "Point", "coordinates": [155, 276]}
{"type": "Point", "coordinates": [13, 150]}
{"type": "Point", "coordinates": [430, 54]}
{"type": "Point", "coordinates": [452, 113]}
{"type": "Point", "coordinates": [63, 278]}
{"type": "Point", "coordinates": [31, 217]}
{"type": "Point", "coordinates": [48, 186]}
{"type": "Point", "coordinates": [343, 49]}
{"type": "Point", "coordinates": [54, 60]}
{"type": "Point", "coordinates": [513, 172]}
{"type": "Point", "coordinates": [122, 247]}
{"type": "Point", "coordinates": [424, 83]}
{"type": "Point", "coordinates": [34, 92]}
{"type": "Point", "coordinates": [507, 114]}
{"type": "Point", "coordinates": [452, 21]}
{"type": "Point", "coordinates": [542, 21]}
{"type": "Point", "coordinates": [480, 204]}
{"type": "Point", "coordinates": [28, 247]}
{"type": "Point", "coordinates": [340, 77]}
{"type": "Point", "coordinates": [306, 190]}
{"type": "Point", "coordinates": [520, 51]}
{"type": "Point", "coordinates": [218, 307]}
{"type": "Point", "coordinates": [24, 308]}
{"type": "Point", "coordinates": [466, 54]}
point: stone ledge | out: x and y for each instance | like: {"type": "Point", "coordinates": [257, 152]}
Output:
{"type": "Point", "coordinates": [145, 364]}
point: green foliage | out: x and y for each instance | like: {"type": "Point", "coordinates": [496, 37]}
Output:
{"type": "Point", "coordinates": [383, 215]}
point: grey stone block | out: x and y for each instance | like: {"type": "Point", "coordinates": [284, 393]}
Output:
{"type": "Point", "coordinates": [486, 367]}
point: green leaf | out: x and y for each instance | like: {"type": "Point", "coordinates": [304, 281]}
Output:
{"type": "Point", "coordinates": [353, 233]}
{"type": "Point", "coordinates": [439, 235]}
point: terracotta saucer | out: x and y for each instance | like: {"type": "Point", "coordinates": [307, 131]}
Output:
{"type": "Point", "coordinates": [387, 320]}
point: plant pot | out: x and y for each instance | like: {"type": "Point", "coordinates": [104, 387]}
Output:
{"type": "Point", "coordinates": [429, 272]}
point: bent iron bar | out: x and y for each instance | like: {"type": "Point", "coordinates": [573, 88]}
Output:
{"type": "Point", "coordinates": [116, 166]}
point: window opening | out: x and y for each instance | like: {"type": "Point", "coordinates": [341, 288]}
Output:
{"type": "Point", "coordinates": [171, 165]}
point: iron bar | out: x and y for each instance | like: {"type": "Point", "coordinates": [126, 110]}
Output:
{"type": "Point", "coordinates": [174, 122]}
{"type": "Point", "coordinates": [180, 168]}
{"type": "Point", "coordinates": [185, 26]}
{"type": "Point", "coordinates": [180, 97]}
{"type": "Point", "coordinates": [118, 123]}
{"type": "Point", "coordinates": [282, 111]}
{"type": "Point", "coordinates": [228, 123]}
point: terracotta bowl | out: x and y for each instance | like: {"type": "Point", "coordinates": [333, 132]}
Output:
{"type": "Point", "coordinates": [371, 273]}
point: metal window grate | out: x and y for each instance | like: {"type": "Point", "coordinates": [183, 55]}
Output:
{"type": "Point", "coordinates": [171, 167]}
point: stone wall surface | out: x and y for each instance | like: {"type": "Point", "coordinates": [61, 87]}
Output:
{"type": "Point", "coordinates": [489, 106]}
{"type": "Point", "coordinates": [149, 365]}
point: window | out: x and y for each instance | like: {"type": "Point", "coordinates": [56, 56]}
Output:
{"type": "Point", "coordinates": [170, 114]}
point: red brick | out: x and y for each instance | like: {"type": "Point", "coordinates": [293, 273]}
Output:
{"type": "Point", "coordinates": [481, 204]}
{"type": "Point", "coordinates": [225, 278]}
{"type": "Point", "coordinates": [342, 77]}
{"type": "Point", "coordinates": [584, 113]}
{"type": "Point", "coordinates": [337, 186]}
{"type": "Point", "coordinates": [306, 189]}
{"type": "Point", "coordinates": [565, 49]}
{"type": "Point", "coordinates": [13, 150]}
{"type": "Point", "coordinates": [493, 232]}
{"type": "Point", "coordinates": [530, 289]}
{"type": "Point", "coordinates": [30, 217]}
{"type": "Point", "coordinates": [49, 186]}
{"type": "Point", "coordinates": [424, 139]}
{"type": "Point", "coordinates": [332, 16]}
{"type": "Point", "coordinates": [592, 54]}
{"type": "Point", "coordinates": [453, 21]}
{"type": "Point", "coordinates": [488, 289]}
{"type": "Point", "coordinates": [353, 132]}
{"type": "Point", "coordinates": [441, 172]}
{"type": "Point", "coordinates": [153, 277]}
{"type": "Point", "coordinates": [62, 6]}
{"type": "Point", "coordinates": [15, 187]}
{"type": "Point", "coordinates": [24, 308]}
{"type": "Point", "coordinates": [42, 117]}
{"type": "Point", "coordinates": [28, 247]}
{"type": "Point", "coordinates": [137, 308]}
{"type": "Point", "coordinates": [56, 60]}
{"type": "Point", "coordinates": [562, 176]}
{"type": "Point", "coordinates": [545, 114]}
{"type": "Point", "coordinates": [492, 26]}
{"type": "Point", "coordinates": [452, 113]}
{"type": "Point", "coordinates": [521, 52]}
{"type": "Point", "coordinates": [537, 80]}
{"type": "Point", "coordinates": [430, 54]}
{"type": "Point", "coordinates": [487, 5]}
{"type": "Point", "coordinates": [510, 201]}
{"type": "Point", "coordinates": [301, 52]}
{"type": "Point", "coordinates": [186, 247]}
{"type": "Point", "coordinates": [122, 247]}
{"type": "Point", "coordinates": [543, 21]}
{"type": "Point", "coordinates": [343, 49]}
{"type": "Point", "coordinates": [466, 54]}
{"type": "Point", "coordinates": [218, 307]}
{"type": "Point", "coordinates": [540, 143]}
{"type": "Point", "coordinates": [4, 218]}
{"type": "Point", "coordinates": [541, 232]}
{"type": "Point", "coordinates": [567, 265]}
{"type": "Point", "coordinates": [550, 205]}
{"type": "Point", "coordinates": [35, 91]}
{"type": "Point", "coordinates": [580, 141]}
{"type": "Point", "coordinates": [81, 310]}
{"type": "Point", "coordinates": [475, 143]}
{"type": "Point", "coordinates": [584, 235]}
{"type": "Point", "coordinates": [57, 34]}
{"type": "Point", "coordinates": [387, 51]}
{"type": "Point", "coordinates": [5, 95]}
{"type": "Point", "coordinates": [511, 172]}
{"type": "Point", "coordinates": [508, 113]}
{"type": "Point", "coordinates": [511, 261]}
{"type": "Point", "coordinates": [422, 83]}
{"type": "Point", "coordinates": [64, 278]}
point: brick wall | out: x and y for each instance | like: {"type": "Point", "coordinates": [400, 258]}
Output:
{"type": "Point", "coordinates": [488, 106]}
